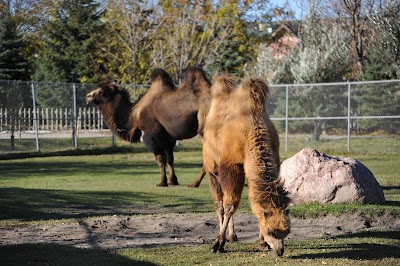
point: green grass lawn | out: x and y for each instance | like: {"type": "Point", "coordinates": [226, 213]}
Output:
{"type": "Point", "coordinates": [82, 185]}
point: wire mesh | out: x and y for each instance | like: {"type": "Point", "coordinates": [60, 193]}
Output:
{"type": "Point", "coordinates": [335, 117]}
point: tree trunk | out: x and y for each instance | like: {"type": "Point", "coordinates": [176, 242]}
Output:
{"type": "Point", "coordinates": [317, 130]}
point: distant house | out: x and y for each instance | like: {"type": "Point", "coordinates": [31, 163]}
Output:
{"type": "Point", "coordinates": [284, 37]}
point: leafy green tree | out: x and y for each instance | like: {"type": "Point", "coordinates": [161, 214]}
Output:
{"type": "Point", "coordinates": [321, 56]}
{"type": "Point", "coordinates": [134, 27]}
{"type": "Point", "coordinates": [378, 99]}
{"type": "Point", "coordinates": [212, 34]}
{"type": "Point", "coordinates": [384, 54]}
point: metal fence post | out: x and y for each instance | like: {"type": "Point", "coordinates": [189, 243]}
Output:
{"type": "Point", "coordinates": [287, 118]}
{"type": "Point", "coordinates": [348, 115]}
{"type": "Point", "coordinates": [74, 117]}
{"type": "Point", "coordinates": [35, 118]}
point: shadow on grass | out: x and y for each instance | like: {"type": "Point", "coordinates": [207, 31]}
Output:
{"type": "Point", "coordinates": [392, 203]}
{"type": "Point", "coordinates": [360, 249]}
{"type": "Point", "coordinates": [50, 254]}
{"type": "Point", "coordinates": [78, 168]}
{"type": "Point", "coordinates": [39, 204]}
{"type": "Point", "coordinates": [74, 152]}
{"type": "Point", "coordinates": [374, 234]}
{"type": "Point", "coordinates": [390, 187]}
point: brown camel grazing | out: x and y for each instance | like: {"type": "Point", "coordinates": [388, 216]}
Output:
{"type": "Point", "coordinates": [164, 114]}
{"type": "Point", "coordinates": [237, 142]}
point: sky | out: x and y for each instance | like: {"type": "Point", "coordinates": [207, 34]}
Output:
{"type": "Point", "coordinates": [295, 5]}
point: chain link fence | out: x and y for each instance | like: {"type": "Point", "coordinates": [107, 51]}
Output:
{"type": "Point", "coordinates": [338, 117]}
{"type": "Point", "coordinates": [52, 117]}
{"type": "Point", "coordinates": [332, 117]}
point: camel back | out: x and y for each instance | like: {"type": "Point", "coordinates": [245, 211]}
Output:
{"type": "Point", "coordinates": [175, 109]}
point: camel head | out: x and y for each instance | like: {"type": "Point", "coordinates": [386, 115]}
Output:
{"type": "Point", "coordinates": [103, 94]}
{"type": "Point", "coordinates": [274, 227]}
{"type": "Point", "coordinates": [114, 103]}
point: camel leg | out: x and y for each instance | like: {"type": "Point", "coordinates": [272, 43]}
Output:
{"type": "Point", "coordinates": [231, 181]}
{"type": "Point", "coordinates": [217, 194]}
{"type": "Point", "coordinates": [160, 158]}
{"type": "Point", "coordinates": [232, 237]}
{"type": "Point", "coordinates": [198, 180]}
{"type": "Point", "coordinates": [173, 180]}
{"type": "Point", "coordinates": [217, 197]}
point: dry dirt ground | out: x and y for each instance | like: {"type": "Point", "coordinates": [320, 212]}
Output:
{"type": "Point", "coordinates": [147, 230]}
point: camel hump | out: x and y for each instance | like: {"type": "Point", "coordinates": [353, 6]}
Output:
{"type": "Point", "coordinates": [161, 75]}
{"type": "Point", "coordinates": [258, 90]}
{"type": "Point", "coordinates": [196, 75]}
{"type": "Point", "coordinates": [223, 85]}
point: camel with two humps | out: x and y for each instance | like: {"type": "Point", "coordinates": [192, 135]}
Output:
{"type": "Point", "coordinates": [237, 143]}
{"type": "Point", "coordinates": [162, 116]}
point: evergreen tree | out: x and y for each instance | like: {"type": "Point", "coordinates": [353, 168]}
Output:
{"type": "Point", "coordinates": [71, 42]}
{"type": "Point", "coordinates": [13, 63]}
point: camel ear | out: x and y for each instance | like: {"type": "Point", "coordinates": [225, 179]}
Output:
{"type": "Point", "coordinates": [112, 86]}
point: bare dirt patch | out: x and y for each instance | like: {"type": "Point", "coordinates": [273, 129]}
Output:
{"type": "Point", "coordinates": [110, 232]}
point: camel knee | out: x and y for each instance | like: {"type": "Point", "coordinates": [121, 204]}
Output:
{"type": "Point", "coordinates": [160, 159]}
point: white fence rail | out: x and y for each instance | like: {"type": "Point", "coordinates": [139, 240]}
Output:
{"type": "Point", "coordinates": [88, 118]}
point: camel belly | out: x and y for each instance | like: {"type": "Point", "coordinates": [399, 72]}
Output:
{"type": "Point", "coordinates": [181, 127]}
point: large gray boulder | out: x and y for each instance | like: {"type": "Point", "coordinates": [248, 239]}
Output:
{"type": "Point", "coordinates": [311, 176]}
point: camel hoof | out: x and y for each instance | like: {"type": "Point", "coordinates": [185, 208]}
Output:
{"type": "Point", "coordinates": [218, 250]}
{"type": "Point", "coordinates": [233, 238]}
{"type": "Point", "coordinates": [218, 246]}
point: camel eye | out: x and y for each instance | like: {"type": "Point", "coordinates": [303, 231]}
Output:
{"type": "Point", "coordinates": [272, 233]}
{"type": "Point", "coordinates": [267, 214]}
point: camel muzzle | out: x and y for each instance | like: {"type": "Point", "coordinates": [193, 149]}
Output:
{"type": "Point", "coordinates": [279, 252]}
{"type": "Point", "coordinates": [89, 98]}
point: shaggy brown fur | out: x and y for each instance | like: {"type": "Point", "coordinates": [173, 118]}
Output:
{"type": "Point", "coordinates": [237, 141]}
{"type": "Point", "coordinates": [273, 134]}
{"type": "Point", "coordinates": [164, 114]}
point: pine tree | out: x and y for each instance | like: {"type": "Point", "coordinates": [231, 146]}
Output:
{"type": "Point", "coordinates": [71, 50]}
{"type": "Point", "coordinates": [13, 64]}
